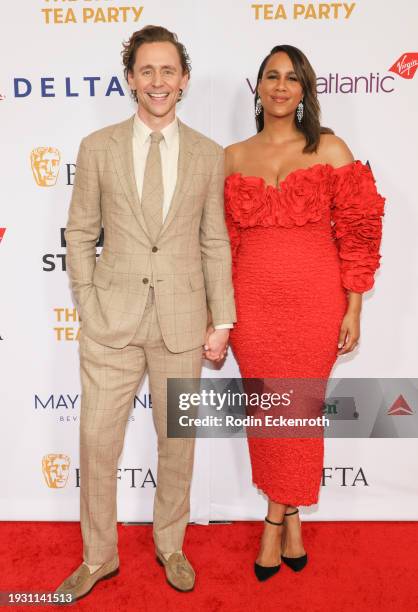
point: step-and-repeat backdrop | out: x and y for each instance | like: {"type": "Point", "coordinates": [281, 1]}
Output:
{"type": "Point", "coordinates": [61, 78]}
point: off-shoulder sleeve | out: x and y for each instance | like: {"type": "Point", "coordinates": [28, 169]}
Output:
{"type": "Point", "coordinates": [356, 214]}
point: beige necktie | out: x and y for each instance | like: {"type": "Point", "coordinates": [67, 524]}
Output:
{"type": "Point", "coordinates": [153, 189]}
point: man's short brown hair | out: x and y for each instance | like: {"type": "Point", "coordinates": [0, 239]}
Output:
{"type": "Point", "coordinates": [150, 34]}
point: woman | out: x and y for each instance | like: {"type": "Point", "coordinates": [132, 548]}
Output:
{"type": "Point", "coordinates": [305, 222]}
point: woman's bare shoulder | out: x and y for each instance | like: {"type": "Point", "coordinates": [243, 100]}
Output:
{"type": "Point", "coordinates": [238, 147]}
{"type": "Point", "coordinates": [333, 150]}
{"type": "Point", "coordinates": [235, 152]}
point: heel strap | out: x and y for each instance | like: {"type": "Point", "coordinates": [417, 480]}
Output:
{"type": "Point", "coordinates": [272, 522]}
{"type": "Point", "coordinates": [290, 513]}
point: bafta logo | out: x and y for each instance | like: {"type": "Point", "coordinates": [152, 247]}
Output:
{"type": "Point", "coordinates": [45, 162]}
{"type": "Point", "coordinates": [55, 468]}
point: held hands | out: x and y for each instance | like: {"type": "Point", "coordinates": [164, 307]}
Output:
{"type": "Point", "coordinates": [349, 333]}
{"type": "Point", "coordinates": [216, 344]}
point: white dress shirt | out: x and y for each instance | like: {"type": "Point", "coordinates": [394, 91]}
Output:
{"type": "Point", "coordinates": [169, 150]}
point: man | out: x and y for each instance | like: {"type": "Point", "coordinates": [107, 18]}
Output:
{"type": "Point", "coordinates": [156, 187]}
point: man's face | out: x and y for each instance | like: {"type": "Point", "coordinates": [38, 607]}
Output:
{"type": "Point", "coordinates": [157, 78]}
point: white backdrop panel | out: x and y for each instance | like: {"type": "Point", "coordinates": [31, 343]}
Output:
{"type": "Point", "coordinates": [66, 70]}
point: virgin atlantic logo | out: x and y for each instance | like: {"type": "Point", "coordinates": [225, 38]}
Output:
{"type": "Point", "coordinates": [406, 65]}
{"type": "Point", "coordinates": [2, 232]}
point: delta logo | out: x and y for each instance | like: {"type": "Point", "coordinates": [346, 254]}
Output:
{"type": "Point", "coordinates": [400, 407]}
{"type": "Point", "coordinates": [406, 65]}
{"type": "Point", "coordinates": [68, 87]}
{"type": "Point", "coordinates": [2, 232]}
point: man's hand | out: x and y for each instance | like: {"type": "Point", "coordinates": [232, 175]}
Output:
{"type": "Point", "coordinates": [216, 344]}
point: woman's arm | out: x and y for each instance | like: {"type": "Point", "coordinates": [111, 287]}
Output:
{"type": "Point", "coordinates": [356, 215]}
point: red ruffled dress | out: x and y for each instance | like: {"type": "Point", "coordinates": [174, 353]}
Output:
{"type": "Point", "coordinates": [296, 250]}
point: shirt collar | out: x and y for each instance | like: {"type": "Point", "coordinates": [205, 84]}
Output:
{"type": "Point", "coordinates": [142, 131]}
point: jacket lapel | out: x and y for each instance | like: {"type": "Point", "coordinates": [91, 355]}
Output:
{"type": "Point", "coordinates": [121, 148]}
{"type": "Point", "coordinates": [184, 172]}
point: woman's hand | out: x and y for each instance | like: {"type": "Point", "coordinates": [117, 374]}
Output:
{"type": "Point", "coordinates": [216, 344]}
{"type": "Point", "coordinates": [350, 326]}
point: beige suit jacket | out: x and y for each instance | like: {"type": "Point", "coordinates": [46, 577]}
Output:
{"type": "Point", "coordinates": [189, 264]}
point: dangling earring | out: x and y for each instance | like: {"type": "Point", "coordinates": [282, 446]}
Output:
{"type": "Point", "coordinates": [180, 95]}
{"type": "Point", "coordinates": [299, 111]}
{"type": "Point", "coordinates": [258, 107]}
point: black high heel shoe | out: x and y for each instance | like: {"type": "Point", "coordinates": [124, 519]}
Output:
{"type": "Point", "coordinates": [261, 571]}
{"type": "Point", "coordinates": [295, 563]}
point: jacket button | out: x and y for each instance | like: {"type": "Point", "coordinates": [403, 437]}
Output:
{"type": "Point", "coordinates": [154, 249]}
{"type": "Point", "coordinates": [145, 281]}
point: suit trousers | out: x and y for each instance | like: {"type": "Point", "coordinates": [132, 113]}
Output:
{"type": "Point", "coordinates": [110, 378]}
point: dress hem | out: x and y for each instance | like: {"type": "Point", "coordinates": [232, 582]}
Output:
{"type": "Point", "coordinates": [298, 502]}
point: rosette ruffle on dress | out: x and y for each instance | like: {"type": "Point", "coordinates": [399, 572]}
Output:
{"type": "Point", "coordinates": [348, 192]}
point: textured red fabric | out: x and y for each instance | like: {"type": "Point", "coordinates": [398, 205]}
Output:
{"type": "Point", "coordinates": [296, 249]}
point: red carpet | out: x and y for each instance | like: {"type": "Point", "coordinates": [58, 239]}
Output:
{"type": "Point", "coordinates": [370, 566]}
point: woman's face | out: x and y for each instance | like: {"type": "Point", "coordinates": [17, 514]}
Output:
{"type": "Point", "coordinates": [279, 88]}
